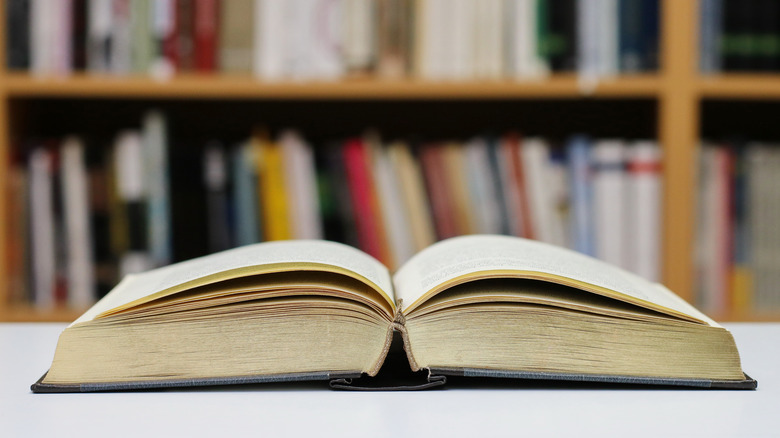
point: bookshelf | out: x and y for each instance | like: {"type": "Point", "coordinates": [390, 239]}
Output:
{"type": "Point", "coordinates": [677, 91]}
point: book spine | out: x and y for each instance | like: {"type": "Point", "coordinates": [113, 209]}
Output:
{"type": "Point", "coordinates": [185, 25]}
{"type": "Point", "coordinates": [710, 34]}
{"type": "Point", "coordinates": [99, 36]}
{"type": "Point", "coordinates": [580, 177]}
{"type": "Point", "coordinates": [206, 20]}
{"type": "Point", "coordinates": [17, 25]}
{"type": "Point", "coordinates": [42, 243]}
{"type": "Point", "coordinates": [644, 209]}
{"type": "Point", "coordinates": [156, 175]}
{"type": "Point", "coordinates": [246, 214]}
{"type": "Point", "coordinates": [165, 53]}
{"type": "Point", "coordinates": [78, 35]}
{"type": "Point", "coordinates": [80, 268]}
{"type": "Point", "coordinates": [215, 180]}
{"type": "Point", "coordinates": [630, 35]}
{"type": "Point", "coordinates": [609, 201]}
{"type": "Point", "coordinates": [650, 24]}
{"type": "Point", "coordinates": [273, 191]}
{"type": "Point", "coordinates": [360, 188]}
{"type": "Point", "coordinates": [131, 192]}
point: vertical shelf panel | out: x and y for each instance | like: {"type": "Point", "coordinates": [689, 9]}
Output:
{"type": "Point", "coordinates": [678, 132]}
{"type": "Point", "coordinates": [5, 152]}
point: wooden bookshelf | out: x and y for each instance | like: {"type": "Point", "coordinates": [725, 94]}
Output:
{"type": "Point", "coordinates": [243, 87]}
{"type": "Point", "coordinates": [739, 86]}
{"type": "Point", "coordinates": [678, 90]}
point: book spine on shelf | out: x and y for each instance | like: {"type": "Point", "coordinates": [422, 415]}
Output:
{"type": "Point", "coordinates": [75, 192]}
{"type": "Point", "coordinates": [18, 26]}
{"type": "Point", "coordinates": [205, 34]}
{"type": "Point", "coordinates": [643, 202]}
{"type": "Point", "coordinates": [42, 228]}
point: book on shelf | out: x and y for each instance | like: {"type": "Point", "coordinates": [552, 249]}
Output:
{"type": "Point", "coordinates": [331, 39]}
{"type": "Point", "coordinates": [389, 198]}
{"type": "Point", "coordinates": [737, 35]}
{"type": "Point", "coordinates": [737, 242]}
{"type": "Point", "coordinates": [318, 310]}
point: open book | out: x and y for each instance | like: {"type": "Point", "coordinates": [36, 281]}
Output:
{"type": "Point", "coordinates": [491, 306]}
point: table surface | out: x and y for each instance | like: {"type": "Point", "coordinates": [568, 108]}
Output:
{"type": "Point", "coordinates": [294, 409]}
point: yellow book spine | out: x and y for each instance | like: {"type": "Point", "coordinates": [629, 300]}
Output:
{"type": "Point", "coordinates": [273, 194]}
{"type": "Point", "coordinates": [741, 289]}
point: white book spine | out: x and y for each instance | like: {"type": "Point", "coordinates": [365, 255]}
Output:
{"type": "Point", "coordinates": [608, 37]}
{"type": "Point", "coordinates": [40, 36]}
{"type": "Point", "coordinates": [588, 53]}
{"type": "Point", "coordinates": [483, 193]}
{"type": "Point", "coordinates": [359, 39]}
{"type": "Point", "coordinates": [42, 228]}
{"type": "Point", "coordinates": [609, 201]}
{"type": "Point", "coordinates": [558, 191]}
{"type": "Point", "coordinates": [98, 35]}
{"type": "Point", "coordinates": [301, 185]}
{"type": "Point", "coordinates": [270, 39]}
{"type": "Point", "coordinates": [394, 212]}
{"type": "Point", "coordinates": [536, 158]}
{"type": "Point", "coordinates": [644, 209]}
{"type": "Point", "coordinates": [325, 39]}
{"type": "Point", "coordinates": [163, 20]}
{"type": "Point", "coordinates": [75, 192]}
{"type": "Point", "coordinates": [121, 38]}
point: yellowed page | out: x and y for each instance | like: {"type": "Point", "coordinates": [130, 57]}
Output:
{"type": "Point", "coordinates": [247, 260]}
{"type": "Point", "coordinates": [461, 259]}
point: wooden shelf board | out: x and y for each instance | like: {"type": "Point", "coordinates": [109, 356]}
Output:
{"type": "Point", "coordinates": [740, 86]}
{"type": "Point", "coordinates": [748, 317]}
{"type": "Point", "coordinates": [28, 313]}
{"type": "Point", "coordinates": [244, 87]}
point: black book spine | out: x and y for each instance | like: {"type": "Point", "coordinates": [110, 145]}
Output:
{"type": "Point", "coordinates": [766, 41]}
{"type": "Point", "coordinates": [18, 34]}
{"type": "Point", "coordinates": [79, 35]}
{"type": "Point", "coordinates": [562, 47]}
{"type": "Point", "coordinates": [737, 35]}
{"type": "Point", "coordinates": [649, 34]}
{"type": "Point", "coordinates": [630, 35]}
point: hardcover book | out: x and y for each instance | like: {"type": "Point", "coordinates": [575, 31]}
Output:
{"type": "Point", "coordinates": [483, 305]}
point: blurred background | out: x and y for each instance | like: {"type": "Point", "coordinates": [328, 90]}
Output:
{"type": "Point", "coordinates": [136, 133]}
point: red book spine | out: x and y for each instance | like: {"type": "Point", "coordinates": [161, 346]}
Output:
{"type": "Point", "coordinates": [522, 192]}
{"type": "Point", "coordinates": [206, 20]}
{"type": "Point", "coordinates": [360, 192]}
{"type": "Point", "coordinates": [170, 47]}
{"type": "Point", "coordinates": [435, 180]}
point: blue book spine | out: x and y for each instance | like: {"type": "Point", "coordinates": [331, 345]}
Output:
{"type": "Point", "coordinates": [650, 10]}
{"type": "Point", "coordinates": [581, 213]}
{"type": "Point", "coordinates": [710, 31]}
{"type": "Point", "coordinates": [630, 35]}
{"type": "Point", "coordinates": [247, 217]}
{"type": "Point", "coordinates": [494, 155]}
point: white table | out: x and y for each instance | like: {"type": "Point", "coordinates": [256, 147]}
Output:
{"type": "Point", "coordinates": [277, 410]}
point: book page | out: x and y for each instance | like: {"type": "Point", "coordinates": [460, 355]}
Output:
{"type": "Point", "coordinates": [247, 260]}
{"type": "Point", "coordinates": [461, 259]}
